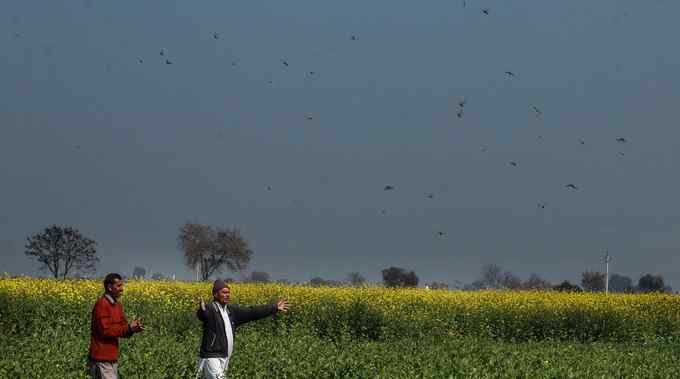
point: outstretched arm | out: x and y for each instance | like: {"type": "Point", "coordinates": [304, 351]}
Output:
{"type": "Point", "coordinates": [248, 314]}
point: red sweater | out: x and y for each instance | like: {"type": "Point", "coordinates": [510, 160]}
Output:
{"type": "Point", "coordinates": [108, 324]}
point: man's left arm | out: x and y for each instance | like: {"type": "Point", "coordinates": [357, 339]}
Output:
{"type": "Point", "coordinates": [132, 327]}
{"type": "Point", "coordinates": [129, 332]}
{"type": "Point", "coordinates": [252, 313]}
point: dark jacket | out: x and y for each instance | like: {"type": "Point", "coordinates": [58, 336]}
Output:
{"type": "Point", "coordinates": [214, 340]}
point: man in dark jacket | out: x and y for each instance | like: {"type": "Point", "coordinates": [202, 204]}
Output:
{"type": "Point", "coordinates": [220, 319]}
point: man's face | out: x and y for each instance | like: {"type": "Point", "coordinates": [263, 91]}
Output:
{"type": "Point", "coordinates": [116, 289]}
{"type": "Point", "coordinates": [222, 295]}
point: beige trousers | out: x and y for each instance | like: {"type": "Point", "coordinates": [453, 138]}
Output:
{"type": "Point", "coordinates": [103, 370]}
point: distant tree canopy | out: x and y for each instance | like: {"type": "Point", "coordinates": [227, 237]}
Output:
{"type": "Point", "coordinates": [157, 276]}
{"type": "Point", "coordinates": [259, 277]}
{"type": "Point", "coordinates": [511, 281]}
{"type": "Point", "coordinates": [399, 277]}
{"type": "Point", "coordinates": [355, 279]}
{"type": "Point", "coordinates": [474, 286]}
{"type": "Point", "coordinates": [62, 250]}
{"type": "Point", "coordinates": [212, 249]}
{"type": "Point", "coordinates": [139, 272]}
{"type": "Point", "coordinates": [438, 286]}
{"type": "Point", "coordinates": [566, 286]}
{"type": "Point", "coordinates": [593, 281]}
{"type": "Point", "coordinates": [620, 283]}
{"type": "Point", "coordinates": [319, 281]}
{"type": "Point", "coordinates": [651, 283]}
{"type": "Point", "coordinates": [535, 282]}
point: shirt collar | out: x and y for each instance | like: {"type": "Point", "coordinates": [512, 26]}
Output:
{"type": "Point", "coordinates": [110, 298]}
{"type": "Point", "coordinates": [220, 306]}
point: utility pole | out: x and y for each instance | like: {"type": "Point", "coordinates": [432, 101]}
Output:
{"type": "Point", "coordinates": [607, 259]}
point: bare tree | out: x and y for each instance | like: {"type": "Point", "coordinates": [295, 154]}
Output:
{"type": "Point", "coordinates": [62, 250]}
{"type": "Point", "coordinates": [511, 281]}
{"type": "Point", "coordinates": [492, 276]}
{"type": "Point", "coordinates": [212, 249]}
{"type": "Point", "coordinates": [355, 279]}
{"type": "Point", "coordinates": [535, 282]}
{"type": "Point", "coordinates": [593, 281]}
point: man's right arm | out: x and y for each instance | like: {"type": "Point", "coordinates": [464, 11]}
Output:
{"type": "Point", "coordinates": [202, 312]}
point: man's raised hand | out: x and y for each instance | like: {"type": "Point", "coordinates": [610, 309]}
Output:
{"type": "Point", "coordinates": [282, 306]}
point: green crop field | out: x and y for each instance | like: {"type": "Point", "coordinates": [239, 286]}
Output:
{"type": "Point", "coordinates": [351, 333]}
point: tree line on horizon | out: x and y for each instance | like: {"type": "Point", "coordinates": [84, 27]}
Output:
{"type": "Point", "coordinates": [66, 253]}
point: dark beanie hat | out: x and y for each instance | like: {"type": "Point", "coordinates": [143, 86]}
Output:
{"type": "Point", "coordinates": [218, 285]}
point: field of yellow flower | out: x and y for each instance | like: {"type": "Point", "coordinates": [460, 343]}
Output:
{"type": "Point", "coordinates": [350, 332]}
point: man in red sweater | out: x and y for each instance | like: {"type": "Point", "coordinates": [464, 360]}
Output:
{"type": "Point", "coordinates": [109, 324]}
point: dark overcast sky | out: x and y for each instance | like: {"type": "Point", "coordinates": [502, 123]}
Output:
{"type": "Point", "coordinates": [127, 151]}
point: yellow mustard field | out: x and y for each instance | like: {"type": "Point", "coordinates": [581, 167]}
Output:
{"type": "Point", "coordinates": [378, 313]}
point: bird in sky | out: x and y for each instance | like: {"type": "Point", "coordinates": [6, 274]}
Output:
{"type": "Point", "coordinates": [621, 140]}
{"type": "Point", "coordinates": [621, 153]}
{"type": "Point", "coordinates": [486, 11]}
{"type": "Point", "coordinates": [388, 188]}
{"type": "Point", "coordinates": [285, 62]}
{"type": "Point", "coordinates": [462, 103]}
{"type": "Point", "coordinates": [309, 117]}
{"type": "Point", "coordinates": [140, 60]}
{"type": "Point", "coordinates": [216, 35]}
{"type": "Point", "coordinates": [484, 149]}
{"type": "Point", "coordinates": [17, 35]}
{"type": "Point", "coordinates": [312, 73]}
{"type": "Point", "coordinates": [162, 52]}
{"type": "Point", "coordinates": [536, 110]}
{"type": "Point", "coordinates": [440, 233]}
{"type": "Point", "coordinates": [168, 61]}
{"type": "Point", "coordinates": [513, 163]}
{"type": "Point", "coordinates": [429, 195]}
{"type": "Point", "coordinates": [459, 113]}
{"type": "Point", "coordinates": [354, 37]}
{"type": "Point", "coordinates": [571, 186]}
{"type": "Point", "coordinates": [543, 204]}
{"type": "Point", "coordinates": [384, 211]}
{"type": "Point", "coordinates": [510, 73]}
{"type": "Point", "coordinates": [233, 63]}
{"type": "Point", "coordinates": [269, 188]}
{"type": "Point", "coordinates": [581, 141]}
